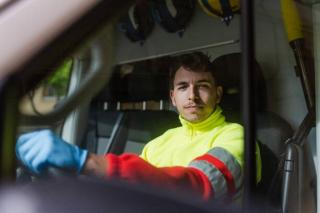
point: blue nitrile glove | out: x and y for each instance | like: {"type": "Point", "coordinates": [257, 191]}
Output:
{"type": "Point", "coordinates": [40, 150]}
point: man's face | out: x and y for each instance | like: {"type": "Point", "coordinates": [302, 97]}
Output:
{"type": "Point", "coordinates": [195, 94]}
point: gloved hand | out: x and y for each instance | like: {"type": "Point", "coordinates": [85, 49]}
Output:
{"type": "Point", "coordinates": [42, 149]}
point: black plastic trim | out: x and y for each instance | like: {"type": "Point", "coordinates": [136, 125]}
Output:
{"type": "Point", "coordinates": [248, 111]}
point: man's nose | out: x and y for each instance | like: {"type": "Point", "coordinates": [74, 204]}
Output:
{"type": "Point", "coordinates": [193, 93]}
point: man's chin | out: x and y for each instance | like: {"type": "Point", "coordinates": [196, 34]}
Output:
{"type": "Point", "coordinates": [194, 118]}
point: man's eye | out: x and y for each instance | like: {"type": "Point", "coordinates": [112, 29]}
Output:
{"type": "Point", "coordinates": [182, 87]}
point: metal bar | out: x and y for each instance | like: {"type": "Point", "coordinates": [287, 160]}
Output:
{"type": "Point", "coordinates": [218, 44]}
{"type": "Point", "coordinates": [247, 45]}
{"type": "Point", "coordinates": [105, 106]}
{"type": "Point", "coordinates": [302, 132]}
{"type": "Point", "coordinates": [118, 105]}
{"type": "Point", "coordinates": [286, 182]}
{"type": "Point", "coordinates": [304, 70]}
{"type": "Point", "coordinates": [291, 181]}
{"type": "Point", "coordinates": [161, 105]}
{"type": "Point", "coordinates": [144, 105]}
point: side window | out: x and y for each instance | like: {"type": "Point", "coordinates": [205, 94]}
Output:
{"type": "Point", "coordinates": [56, 85]}
{"type": "Point", "coordinates": [49, 92]}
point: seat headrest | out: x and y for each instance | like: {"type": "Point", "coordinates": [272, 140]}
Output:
{"type": "Point", "coordinates": [228, 74]}
{"type": "Point", "coordinates": [142, 81]}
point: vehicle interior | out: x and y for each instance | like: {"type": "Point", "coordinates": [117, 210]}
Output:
{"type": "Point", "coordinates": [97, 73]}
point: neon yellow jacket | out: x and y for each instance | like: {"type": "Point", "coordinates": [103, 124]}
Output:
{"type": "Point", "coordinates": [212, 146]}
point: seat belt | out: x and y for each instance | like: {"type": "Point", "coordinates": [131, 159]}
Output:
{"type": "Point", "coordinates": [118, 135]}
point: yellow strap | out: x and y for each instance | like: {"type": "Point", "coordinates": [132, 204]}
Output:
{"type": "Point", "coordinates": [291, 19]}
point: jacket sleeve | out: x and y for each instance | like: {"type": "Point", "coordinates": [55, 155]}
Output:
{"type": "Point", "coordinates": [134, 169]}
{"type": "Point", "coordinates": [210, 178]}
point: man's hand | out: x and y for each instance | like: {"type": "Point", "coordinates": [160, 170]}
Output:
{"type": "Point", "coordinates": [42, 149]}
{"type": "Point", "coordinates": [95, 165]}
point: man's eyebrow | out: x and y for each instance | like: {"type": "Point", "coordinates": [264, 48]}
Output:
{"type": "Point", "coordinates": [199, 81]}
{"type": "Point", "coordinates": [204, 81]}
{"type": "Point", "coordinates": [181, 83]}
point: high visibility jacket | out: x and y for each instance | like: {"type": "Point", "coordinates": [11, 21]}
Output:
{"type": "Point", "coordinates": [206, 157]}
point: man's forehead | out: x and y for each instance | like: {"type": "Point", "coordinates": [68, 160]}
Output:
{"type": "Point", "coordinates": [184, 75]}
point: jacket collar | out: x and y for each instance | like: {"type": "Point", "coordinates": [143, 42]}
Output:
{"type": "Point", "coordinates": [214, 120]}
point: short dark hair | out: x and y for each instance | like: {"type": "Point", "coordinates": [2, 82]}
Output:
{"type": "Point", "coordinates": [194, 61]}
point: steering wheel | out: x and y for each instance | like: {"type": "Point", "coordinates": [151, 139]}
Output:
{"type": "Point", "coordinates": [24, 175]}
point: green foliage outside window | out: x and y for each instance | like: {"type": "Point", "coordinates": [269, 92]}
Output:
{"type": "Point", "coordinates": [58, 82]}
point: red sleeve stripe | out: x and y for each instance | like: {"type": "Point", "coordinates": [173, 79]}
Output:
{"type": "Point", "coordinates": [208, 191]}
{"type": "Point", "coordinates": [222, 168]}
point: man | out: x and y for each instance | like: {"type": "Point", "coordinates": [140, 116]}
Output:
{"type": "Point", "coordinates": [204, 155]}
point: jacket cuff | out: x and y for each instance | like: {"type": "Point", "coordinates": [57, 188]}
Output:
{"type": "Point", "coordinates": [113, 166]}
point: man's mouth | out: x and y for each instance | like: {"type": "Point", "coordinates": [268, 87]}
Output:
{"type": "Point", "coordinates": [193, 107]}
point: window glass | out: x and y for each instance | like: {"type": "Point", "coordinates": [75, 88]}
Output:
{"type": "Point", "coordinates": [135, 107]}
{"type": "Point", "coordinates": [49, 92]}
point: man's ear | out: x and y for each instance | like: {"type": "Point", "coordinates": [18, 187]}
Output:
{"type": "Point", "coordinates": [173, 101]}
{"type": "Point", "coordinates": [219, 94]}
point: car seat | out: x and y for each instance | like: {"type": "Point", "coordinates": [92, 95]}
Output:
{"type": "Point", "coordinates": [132, 109]}
{"type": "Point", "coordinates": [272, 131]}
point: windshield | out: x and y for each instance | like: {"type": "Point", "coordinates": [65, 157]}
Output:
{"type": "Point", "coordinates": [163, 83]}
